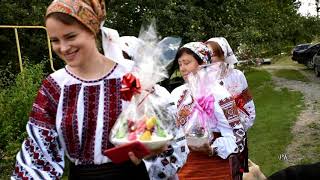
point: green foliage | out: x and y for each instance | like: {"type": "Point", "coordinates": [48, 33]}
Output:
{"type": "Point", "coordinates": [277, 110]}
{"type": "Point", "coordinates": [15, 105]}
{"type": "Point", "coordinates": [257, 27]}
{"type": "Point", "coordinates": [33, 42]}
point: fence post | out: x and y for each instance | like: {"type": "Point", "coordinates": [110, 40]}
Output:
{"type": "Point", "coordinates": [18, 43]}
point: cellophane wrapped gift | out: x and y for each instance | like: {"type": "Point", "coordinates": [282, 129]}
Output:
{"type": "Point", "coordinates": [202, 117]}
{"type": "Point", "coordinates": [150, 114]}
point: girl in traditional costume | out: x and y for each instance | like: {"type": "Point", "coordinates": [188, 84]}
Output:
{"type": "Point", "coordinates": [77, 106]}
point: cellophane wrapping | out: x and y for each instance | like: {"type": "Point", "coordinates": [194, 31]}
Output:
{"type": "Point", "coordinates": [202, 117]}
{"type": "Point", "coordinates": [150, 114]}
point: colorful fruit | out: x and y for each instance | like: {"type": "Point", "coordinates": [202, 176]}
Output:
{"type": "Point", "coordinates": [146, 136]}
{"type": "Point", "coordinates": [132, 136]}
{"type": "Point", "coordinates": [151, 122]}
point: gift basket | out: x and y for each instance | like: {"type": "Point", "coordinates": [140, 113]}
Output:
{"type": "Point", "coordinates": [149, 116]}
{"type": "Point", "coordinates": [202, 117]}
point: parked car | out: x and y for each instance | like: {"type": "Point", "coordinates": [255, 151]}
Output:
{"type": "Point", "coordinates": [305, 56]}
{"type": "Point", "coordinates": [299, 47]}
{"type": "Point", "coordinates": [316, 62]}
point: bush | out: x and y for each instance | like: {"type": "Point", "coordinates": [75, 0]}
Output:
{"type": "Point", "coordinates": [15, 104]}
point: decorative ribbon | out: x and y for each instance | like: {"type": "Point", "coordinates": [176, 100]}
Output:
{"type": "Point", "coordinates": [240, 102]}
{"type": "Point", "coordinates": [131, 86]}
{"type": "Point", "coordinates": [204, 107]}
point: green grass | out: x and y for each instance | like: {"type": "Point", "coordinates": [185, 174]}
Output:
{"type": "Point", "coordinates": [311, 148]}
{"type": "Point", "coordinates": [291, 74]}
{"type": "Point", "coordinates": [283, 60]}
{"type": "Point", "coordinates": [276, 113]}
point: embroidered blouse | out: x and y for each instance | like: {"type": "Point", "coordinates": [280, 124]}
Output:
{"type": "Point", "coordinates": [228, 122]}
{"type": "Point", "coordinates": [166, 165]}
{"type": "Point", "coordinates": [235, 82]}
{"type": "Point", "coordinates": [73, 117]}
{"type": "Point", "coordinates": [70, 116]}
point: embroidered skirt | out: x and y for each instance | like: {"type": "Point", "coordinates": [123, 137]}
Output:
{"type": "Point", "coordinates": [200, 166]}
{"type": "Point", "coordinates": [125, 170]}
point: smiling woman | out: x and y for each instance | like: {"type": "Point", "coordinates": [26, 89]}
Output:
{"type": "Point", "coordinates": [70, 40]}
{"type": "Point", "coordinates": [76, 106]}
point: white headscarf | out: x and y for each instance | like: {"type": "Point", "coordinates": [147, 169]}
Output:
{"type": "Point", "coordinates": [130, 45]}
{"type": "Point", "coordinates": [112, 47]}
{"type": "Point", "coordinates": [229, 56]}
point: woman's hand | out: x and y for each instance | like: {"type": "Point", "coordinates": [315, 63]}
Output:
{"type": "Point", "coordinates": [134, 158]}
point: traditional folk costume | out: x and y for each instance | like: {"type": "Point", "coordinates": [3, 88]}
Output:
{"type": "Point", "coordinates": [228, 133]}
{"type": "Point", "coordinates": [73, 117]}
{"type": "Point", "coordinates": [236, 84]}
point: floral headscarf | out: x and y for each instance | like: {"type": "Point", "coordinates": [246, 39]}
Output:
{"type": "Point", "coordinates": [229, 56]}
{"type": "Point", "coordinates": [201, 50]}
{"type": "Point", "coordinates": [90, 13]}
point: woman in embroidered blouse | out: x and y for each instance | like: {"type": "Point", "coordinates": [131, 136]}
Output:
{"type": "Point", "coordinates": [235, 82]}
{"type": "Point", "coordinates": [232, 79]}
{"type": "Point", "coordinates": [77, 106]}
{"type": "Point", "coordinates": [228, 133]}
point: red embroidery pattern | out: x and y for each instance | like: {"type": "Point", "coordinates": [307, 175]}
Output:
{"type": "Point", "coordinates": [69, 125]}
{"type": "Point", "coordinates": [37, 156]}
{"type": "Point", "coordinates": [229, 108]}
{"type": "Point", "coordinates": [242, 99]}
{"type": "Point", "coordinates": [20, 172]}
{"type": "Point", "coordinates": [45, 106]}
{"type": "Point", "coordinates": [50, 141]}
{"type": "Point", "coordinates": [184, 110]}
{"type": "Point", "coordinates": [91, 105]}
{"type": "Point", "coordinates": [112, 109]}
{"type": "Point", "coordinates": [182, 97]}
{"type": "Point", "coordinates": [52, 88]}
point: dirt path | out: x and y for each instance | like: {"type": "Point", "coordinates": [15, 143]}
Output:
{"type": "Point", "coordinates": [306, 131]}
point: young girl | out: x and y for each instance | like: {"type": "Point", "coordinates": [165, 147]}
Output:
{"type": "Point", "coordinates": [76, 106]}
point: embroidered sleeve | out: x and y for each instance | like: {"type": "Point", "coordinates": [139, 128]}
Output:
{"type": "Point", "coordinates": [167, 164]}
{"type": "Point", "coordinates": [245, 105]}
{"type": "Point", "coordinates": [41, 156]}
{"type": "Point", "coordinates": [232, 133]}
